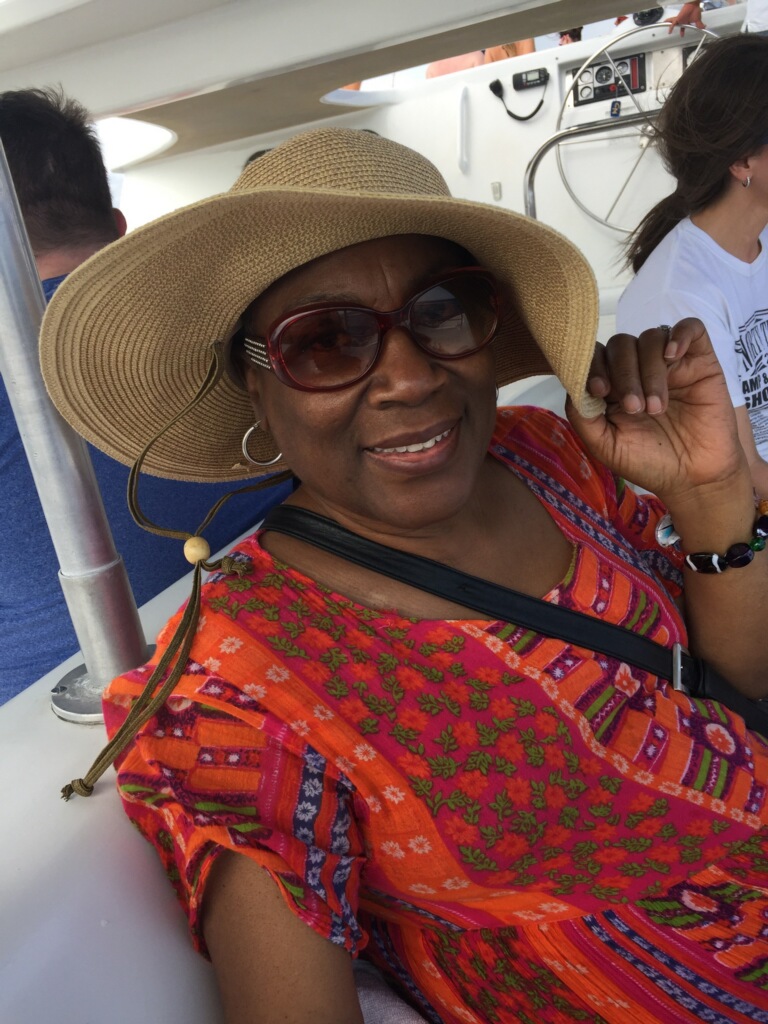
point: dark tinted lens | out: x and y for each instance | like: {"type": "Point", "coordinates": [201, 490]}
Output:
{"type": "Point", "coordinates": [454, 317]}
{"type": "Point", "coordinates": [330, 347]}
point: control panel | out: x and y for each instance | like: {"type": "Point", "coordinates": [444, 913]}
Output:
{"type": "Point", "coordinates": [529, 79]}
{"type": "Point", "coordinates": [609, 80]}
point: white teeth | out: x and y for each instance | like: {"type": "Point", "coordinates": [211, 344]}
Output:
{"type": "Point", "coordinates": [416, 447]}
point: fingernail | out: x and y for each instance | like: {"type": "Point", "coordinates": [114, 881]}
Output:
{"type": "Point", "coordinates": [653, 405]}
{"type": "Point", "coordinates": [632, 404]}
{"type": "Point", "coordinates": [670, 352]}
{"type": "Point", "coordinates": [598, 386]}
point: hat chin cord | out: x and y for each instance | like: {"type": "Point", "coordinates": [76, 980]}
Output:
{"type": "Point", "coordinates": [198, 552]}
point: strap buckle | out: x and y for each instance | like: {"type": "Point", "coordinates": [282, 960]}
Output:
{"type": "Point", "coordinates": [677, 669]}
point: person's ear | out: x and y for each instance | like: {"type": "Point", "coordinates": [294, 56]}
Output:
{"type": "Point", "coordinates": [120, 222]}
{"type": "Point", "coordinates": [740, 169]}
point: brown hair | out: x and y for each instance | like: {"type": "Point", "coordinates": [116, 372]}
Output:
{"type": "Point", "coordinates": [57, 170]}
{"type": "Point", "coordinates": [717, 113]}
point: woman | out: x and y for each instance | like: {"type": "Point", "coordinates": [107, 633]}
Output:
{"type": "Point", "coordinates": [509, 826]}
{"type": "Point", "coordinates": [701, 251]}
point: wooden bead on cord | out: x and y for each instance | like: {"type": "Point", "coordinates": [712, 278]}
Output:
{"type": "Point", "coordinates": [197, 549]}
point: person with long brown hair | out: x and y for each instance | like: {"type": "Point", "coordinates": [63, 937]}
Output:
{"type": "Point", "coordinates": [701, 250]}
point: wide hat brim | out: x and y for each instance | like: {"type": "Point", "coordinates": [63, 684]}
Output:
{"type": "Point", "coordinates": [126, 341]}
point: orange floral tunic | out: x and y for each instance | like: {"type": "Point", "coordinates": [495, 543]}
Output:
{"type": "Point", "coordinates": [512, 828]}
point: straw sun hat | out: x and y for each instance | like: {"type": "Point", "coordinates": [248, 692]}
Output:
{"type": "Point", "coordinates": [126, 341]}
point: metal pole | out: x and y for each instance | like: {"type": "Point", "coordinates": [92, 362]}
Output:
{"type": "Point", "coordinates": [92, 574]}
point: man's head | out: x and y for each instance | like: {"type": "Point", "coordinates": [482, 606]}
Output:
{"type": "Point", "coordinates": [59, 176]}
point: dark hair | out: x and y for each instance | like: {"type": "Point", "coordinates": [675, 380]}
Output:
{"type": "Point", "coordinates": [716, 114]}
{"type": "Point", "coordinates": [254, 156]}
{"type": "Point", "coordinates": [57, 170]}
{"type": "Point", "coordinates": [573, 33]}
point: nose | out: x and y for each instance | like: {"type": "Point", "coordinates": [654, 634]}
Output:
{"type": "Point", "coordinates": [404, 372]}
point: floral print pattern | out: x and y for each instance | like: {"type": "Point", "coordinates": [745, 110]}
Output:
{"type": "Point", "coordinates": [514, 829]}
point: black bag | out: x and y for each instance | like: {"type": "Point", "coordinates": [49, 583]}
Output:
{"type": "Point", "coordinates": [692, 676]}
{"type": "Point", "coordinates": [650, 16]}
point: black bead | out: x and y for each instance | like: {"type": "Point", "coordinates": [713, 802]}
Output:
{"type": "Point", "coordinates": [739, 555]}
{"type": "Point", "coordinates": [706, 562]}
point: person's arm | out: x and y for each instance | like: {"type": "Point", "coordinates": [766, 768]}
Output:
{"type": "Point", "coordinates": [507, 50]}
{"type": "Point", "coordinates": [271, 968]}
{"type": "Point", "coordinates": [758, 467]}
{"type": "Point", "coordinates": [669, 426]}
{"type": "Point", "coordinates": [258, 878]}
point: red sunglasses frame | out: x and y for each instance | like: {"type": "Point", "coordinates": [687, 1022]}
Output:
{"type": "Point", "coordinates": [265, 353]}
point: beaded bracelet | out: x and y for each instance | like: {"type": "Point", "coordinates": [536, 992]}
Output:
{"type": "Point", "coordinates": [737, 555]}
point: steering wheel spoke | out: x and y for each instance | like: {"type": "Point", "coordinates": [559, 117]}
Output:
{"type": "Point", "coordinates": [616, 71]}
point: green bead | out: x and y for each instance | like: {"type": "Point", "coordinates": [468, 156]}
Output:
{"type": "Point", "coordinates": [757, 543]}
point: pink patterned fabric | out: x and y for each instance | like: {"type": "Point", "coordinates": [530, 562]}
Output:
{"type": "Point", "coordinates": [515, 829]}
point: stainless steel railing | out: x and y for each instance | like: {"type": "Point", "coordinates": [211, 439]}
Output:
{"type": "Point", "coordinates": [591, 128]}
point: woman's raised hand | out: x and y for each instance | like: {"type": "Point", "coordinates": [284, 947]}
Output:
{"type": "Point", "coordinates": [669, 423]}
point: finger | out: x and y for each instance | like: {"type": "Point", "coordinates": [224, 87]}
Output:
{"type": "Point", "coordinates": [626, 388]}
{"type": "Point", "coordinates": [654, 368]}
{"type": "Point", "coordinates": [598, 382]}
{"type": "Point", "coordinates": [688, 335]}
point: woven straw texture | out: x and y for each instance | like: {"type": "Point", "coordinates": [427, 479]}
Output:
{"type": "Point", "coordinates": [125, 343]}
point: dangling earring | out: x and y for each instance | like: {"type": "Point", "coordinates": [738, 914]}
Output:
{"type": "Point", "coordinates": [747, 181]}
{"type": "Point", "coordinates": [246, 455]}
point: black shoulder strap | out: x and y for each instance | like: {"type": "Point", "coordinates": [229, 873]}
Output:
{"type": "Point", "coordinates": [492, 600]}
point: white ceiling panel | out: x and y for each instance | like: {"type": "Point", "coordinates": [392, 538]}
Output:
{"type": "Point", "coordinates": [218, 70]}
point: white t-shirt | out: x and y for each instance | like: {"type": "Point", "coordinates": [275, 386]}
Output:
{"type": "Point", "coordinates": [757, 16]}
{"type": "Point", "coordinates": [689, 274]}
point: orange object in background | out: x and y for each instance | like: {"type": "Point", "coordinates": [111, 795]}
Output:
{"type": "Point", "coordinates": [506, 50]}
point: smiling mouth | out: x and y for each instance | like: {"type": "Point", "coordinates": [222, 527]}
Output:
{"type": "Point", "coordinates": [422, 446]}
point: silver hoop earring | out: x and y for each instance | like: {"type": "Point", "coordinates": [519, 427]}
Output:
{"type": "Point", "coordinates": [246, 455]}
{"type": "Point", "coordinates": [747, 181]}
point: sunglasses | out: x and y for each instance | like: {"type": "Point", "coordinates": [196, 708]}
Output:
{"type": "Point", "coordinates": [329, 346]}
